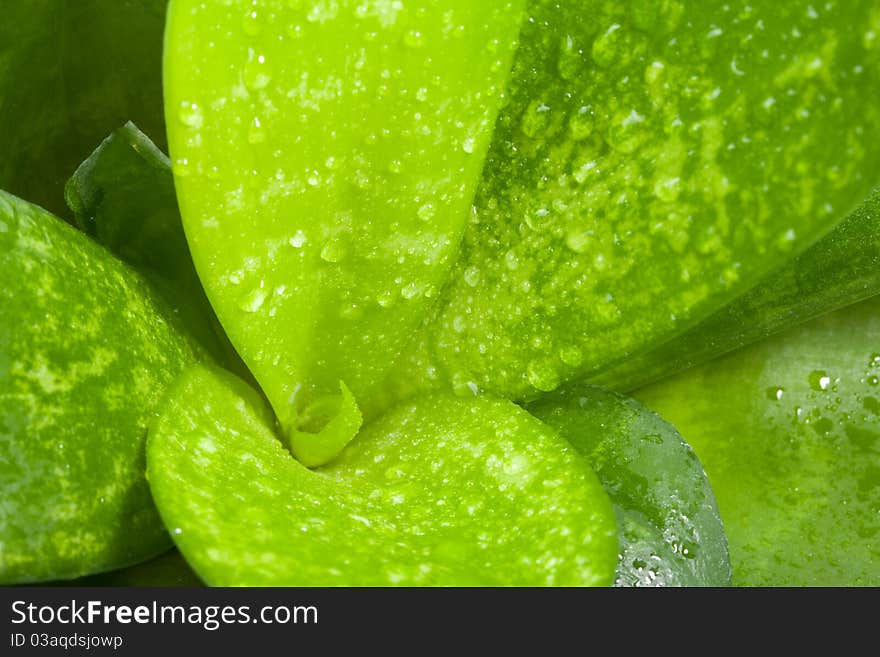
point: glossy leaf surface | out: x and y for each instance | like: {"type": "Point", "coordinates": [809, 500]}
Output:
{"type": "Point", "coordinates": [325, 156]}
{"type": "Point", "coordinates": [656, 160]}
{"type": "Point", "coordinates": [439, 491]}
{"type": "Point", "coordinates": [669, 529]}
{"type": "Point", "coordinates": [789, 433]}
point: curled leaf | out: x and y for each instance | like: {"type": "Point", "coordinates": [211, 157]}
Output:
{"type": "Point", "coordinates": [439, 491]}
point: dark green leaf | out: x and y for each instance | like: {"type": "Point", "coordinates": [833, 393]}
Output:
{"type": "Point", "coordinates": [71, 71]}
{"type": "Point", "coordinates": [670, 532]}
{"type": "Point", "coordinates": [87, 349]}
{"type": "Point", "coordinates": [123, 196]}
{"type": "Point", "coordinates": [842, 268]}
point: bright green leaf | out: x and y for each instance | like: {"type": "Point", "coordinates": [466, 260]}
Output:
{"type": "Point", "coordinates": [669, 529]}
{"type": "Point", "coordinates": [86, 352]}
{"type": "Point", "coordinates": [789, 433]}
{"type": "Point", "coordinates": [439, 491]}
{"type": "Point", "coordinates": [325, 156]}
{"type": "Point", "coordinates": [657, 158]}
{"type": "Point", "coordinates": [71, 71]}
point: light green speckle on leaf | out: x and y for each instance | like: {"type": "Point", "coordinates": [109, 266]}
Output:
{"type": "Point", "coordinates": [87, 349]}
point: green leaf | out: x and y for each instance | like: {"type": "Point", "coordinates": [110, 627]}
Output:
{"type": "Point", "coordinates": [86, 352]}
{"type": "Point", "coordinates": [325, 157]}
{"type": "Point", "coordinates": [439, 491]}
{"type": "Point", "coordinates": [788, 432]}
{"type": "Point", "coordinates": [123, 196]}
{"type": "Point", "coordinates": [657, 158]}
{"type": "Point", "coordinates": [841, 269]}
{"type": "Point", "coordinates": [670, 532]}
{"type": "Point", "coordinates": [167, 570]}
{"type": "Point", "coordinates": [71, 71]}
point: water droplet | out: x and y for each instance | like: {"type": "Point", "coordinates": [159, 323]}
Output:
{"type": "Point", "coordinates": [251, 24]}
{"type": "Point", "coordinates": [181, 167]}
{"type": "Point", "coordinates": [256, 134]}
{"type": "Point", "coordinates": [297, 240]}
{"type": "Point", "coordinates": [539, 219]}
{"type": "Point", "coordinates": [775, 393]}
{"type": "Point", "coordinates": [511, 260]}
{"type": "Point", "coordinates": [422, 94]}
{"type": "Point", "coordinates": [253, 300]}
{"type": "Point", "coordinates": [471, 276]}
{"type": "Point", "coordinates": [410, 291]}
{"type": "Point", "coordinates": [819, 380]}
{"type": "Point", "coordinates": [351, 311]}
{"type": "Point", "coordinates": [323, 11]}
{"type": "Point", "coordinates": [535, 119]}
{"type": "Point", "coordinates": [874, 361]}
{"type": "Point", "coordinates": [395, 166]}
{"type": "Point", "coordinates": [667, 189]}
{"type": "Point", "coordinates": [414, 39]}
{"type": "Point", "coordinates": [314, 179]}
{"type": "Point", "coordinates": [334, 251]}
{"type": "Point", "coordinates": [571, 356]}
{"type": "Point", "coordinates": [256, 75]}
{"type": "Point", "coordinates": [542, 375]}
{"type": "Point", "coordinates": [627, 132]}
{"type": "Point", "coordinates": [468, 145]}
{"type": "Point", "coordinates": [190, 115]}
{"type": "Point", "coordinates": [823, 426]}
{"type": "Point", "coordinates": [873, 380]}
{"type": "Point", "coordinates": [785, 241]}
{"type": "Point", "coordinates": [606, 47]}
{"type": "Point", "coordinates": [579, 241]}
{"type": "Point", "coordinates": [426, 212]}
{"type": "Point", "coordinates": [571, 59]}
{"type": "Point", "coordinates": [459, 324]}
{"type": "Point", "coordinates": [385, 299]}
{"type": "Point", "coordinates": [580, 125]}
{"type": "Point", "coordinates": [463, 386]}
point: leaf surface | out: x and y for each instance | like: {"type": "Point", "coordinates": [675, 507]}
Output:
{"type": "Point", "coordinates": [439, 491]}
{"type": "Point", "coordinates": [71, 71]}
{"type": "Point", "coordinates": [325, 156]}
{"type": "Point", "coordinates": [788, 430]}
{"type": "Point", "coordinates": [670, 532]}
{"type": "Point", "coordinates": [656, 160]}
{"type": "Point", "coordinates": [87, 349]}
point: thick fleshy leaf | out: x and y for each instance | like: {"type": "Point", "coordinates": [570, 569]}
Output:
{"type": "Point", "coordinates": [71, 71]}
{"type": "Point", "coordinates": [670, 532]}
{"type": "Point", "coordinates": [439, 491]}
{"type": "Point", "coordinates": [325, 156]}
{"type": "Point", "coordinates": [841, 269]}
{"type": "Point", "coordinates": [86, 352]}
{"type": "Point", "coordinates": [657, 158]}
{"type": "Point", "coordinates": [789, 433]}
{"type": "Point", "coordinates": [123, 196]}
{"type": "Point", "coordinates": [167, 570]}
